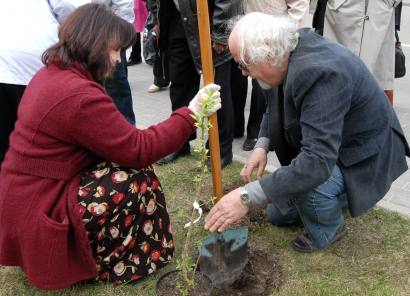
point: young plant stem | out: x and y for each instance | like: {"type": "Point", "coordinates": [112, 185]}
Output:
{"type": "Point", "coordinates": [203, 124]}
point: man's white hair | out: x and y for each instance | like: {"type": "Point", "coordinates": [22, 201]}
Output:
{"type": "Point", "coordinates": [265, 38]}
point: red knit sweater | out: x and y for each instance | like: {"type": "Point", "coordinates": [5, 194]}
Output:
{"type": "Point", "coordinates": [66, 122]}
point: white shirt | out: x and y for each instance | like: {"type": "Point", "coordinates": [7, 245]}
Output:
{"type": "Point", "coordinates": [27, 29]}
{"type": "Point", "coordinates": [122, 8]}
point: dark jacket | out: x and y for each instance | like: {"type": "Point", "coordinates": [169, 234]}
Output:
{"type": "Point", "coordinates": [331, 110]}
{"type": "Point", "coordinates": [220, 12]}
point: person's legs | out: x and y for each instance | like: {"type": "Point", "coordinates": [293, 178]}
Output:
{"type": "Point", "coordinates": [278, 218]}
{"type": "Point", "coordinates": [258, 107]}
{"type": "Point", "coordinates": [183, 76]}
{"type": "Point", "coordinates": [225, 114]}
{"type": "Point", "coordinates": [239, 88]}
{"type": "Point", "coordinates": [161, 70]}
{"type": "Point", "coordinates": [135, 56]}
{"type": "Point", "coordinates": [321, 210]}
{"type": "Point", "coordinates": [119, 89]}
{"type": "Point", "coordinates": [182, 72]}
{"type": "Point", "coordinates": [10, 96]}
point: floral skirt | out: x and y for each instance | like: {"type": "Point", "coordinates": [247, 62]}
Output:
{"type": "Point", "coordinates": [126, 219]}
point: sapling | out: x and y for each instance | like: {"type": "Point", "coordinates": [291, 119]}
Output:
{"type": "Point", "coordinates": [203, 124]}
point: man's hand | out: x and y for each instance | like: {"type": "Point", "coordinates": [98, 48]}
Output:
{"type": "Point", "coordinates": [155, 31]}
{"type": "Point", "coordinates": [257, 160]}
{"type": "Point", "coordinates": [219, 47]}
{"type": "Point", "coordinates": [226, 211]}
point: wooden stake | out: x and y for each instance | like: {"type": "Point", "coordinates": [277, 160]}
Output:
{"type": "Point", "coordinates": [208, 74]}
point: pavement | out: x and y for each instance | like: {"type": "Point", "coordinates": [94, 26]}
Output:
{"type": "Point", "coordinates": [152, 108]}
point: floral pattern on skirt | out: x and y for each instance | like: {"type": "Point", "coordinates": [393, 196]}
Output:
{"type": "Point", "coordinates": [126, 219]}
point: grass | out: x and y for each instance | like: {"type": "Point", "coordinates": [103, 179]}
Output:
{"type": "Point", "coordinates": [373, 259]}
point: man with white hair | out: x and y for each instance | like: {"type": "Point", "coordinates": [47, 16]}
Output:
{"type": "Point", "coordinates": [336, 136]}
{"type": "Point", "coordinates": [296, 10]}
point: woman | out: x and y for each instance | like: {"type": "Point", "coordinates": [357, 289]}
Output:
{"type": "Point", "coordinates": [65, 214]}
{"type": "Point", "coordinates": [141, 13]}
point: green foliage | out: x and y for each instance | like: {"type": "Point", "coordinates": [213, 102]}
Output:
{"type": "Point", "coordinates": [203, 125]}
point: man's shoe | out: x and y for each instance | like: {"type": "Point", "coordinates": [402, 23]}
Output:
{"type": "Point", "coordinates": [304, 244]}
{"type": "Point", "coordinates": [249, 144]}
{"type": "Point", "coordinates": [184, 151]}
{"type": "Point", "coordinates": [132, 62]}
{"type": "Point", "coordinates": [227, 159]}
{"type": "Point", "coordinates": [153, 88]}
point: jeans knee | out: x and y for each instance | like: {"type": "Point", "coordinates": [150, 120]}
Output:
{"type": "Point", "coordinates": [275, 217]}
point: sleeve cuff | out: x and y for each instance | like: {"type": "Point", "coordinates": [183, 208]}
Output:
{"type": "Point", "coordinates": [258, 198]}
{"type": "Point", "coordinates": [256, 194]}
{"type": "Point", "coordinates": [264, 143]}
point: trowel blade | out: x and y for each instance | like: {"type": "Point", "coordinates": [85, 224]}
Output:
{"type": "Point", "coordinates": [224, 256]}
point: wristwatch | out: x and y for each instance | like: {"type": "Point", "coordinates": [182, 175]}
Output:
{"type": "Point", "coordinates": [245, 198]}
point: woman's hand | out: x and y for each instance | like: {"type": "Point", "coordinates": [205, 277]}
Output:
{"type": "Point", "coordinates": [257, 160]}
{"type": "Point", "coordinates": [211, 92]}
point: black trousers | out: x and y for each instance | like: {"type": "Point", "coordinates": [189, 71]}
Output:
{"type": "Point", "coordinates": [135, 54]}
{"type": "Point", "coordinates": [185, 82]}
{"type": "Point", "coordinates": [258, 108]}
{"type": "Point", "coordinates": [160, 70]}
{"type": "Point", "coordinates": [239, 93]}
{"type": "Point", "coordinates": [10, 96]}
{"type": "Point", "coordinates": [118, 88]}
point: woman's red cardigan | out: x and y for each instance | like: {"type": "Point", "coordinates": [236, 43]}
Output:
{"type": "Point", "coordinates": [66, 122]}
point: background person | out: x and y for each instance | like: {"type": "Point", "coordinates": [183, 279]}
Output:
{"type": "Point", "coordinates": [117, 85]}
{"type": "Point", "coordinates": [179, 37]}
{"type": "Point", "coordinates": [336, 136]}
{"type": "Point", "coordinates": [366, 28]}
{"type": "Point", "coordinates": [160, 60]}
{"type": "Point", "coordinates": [78, 197]}
{"type": "Point", "coordinates": [140, 12]}
{"type": "Point", "coordinates": [27, 28]}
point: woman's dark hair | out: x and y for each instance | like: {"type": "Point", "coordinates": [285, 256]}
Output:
{"type": "Point", "coordinates": [87, 36]}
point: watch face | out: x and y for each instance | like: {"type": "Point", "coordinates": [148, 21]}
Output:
{"type": "Point", "coordinates": [245, 198]}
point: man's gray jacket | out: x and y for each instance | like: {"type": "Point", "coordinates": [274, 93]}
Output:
{"type": "Point", "coordinates": [330, 110]}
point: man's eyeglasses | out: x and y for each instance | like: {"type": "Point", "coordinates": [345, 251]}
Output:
{"type": "Point", "coordinates": [243, 67]}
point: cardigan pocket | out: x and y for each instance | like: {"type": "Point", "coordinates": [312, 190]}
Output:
{"type": "Point", "coordinates": [55, 224]}
{"type": "Point", "coordinates": [46, 251]}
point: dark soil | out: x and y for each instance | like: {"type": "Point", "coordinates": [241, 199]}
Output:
{"type": "Point", "coordinates": [261, 275]}
{"type": "Point", "coordinates": [167, 285]}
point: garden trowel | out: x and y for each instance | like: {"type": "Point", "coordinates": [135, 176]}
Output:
{"type": "Point", "coordinates": [223, 256]}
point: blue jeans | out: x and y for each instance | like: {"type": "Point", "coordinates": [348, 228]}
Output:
{"type": "Point", "coordinates": [118, 88]}
{"type": "Point", "coordinates": [319, 210]}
